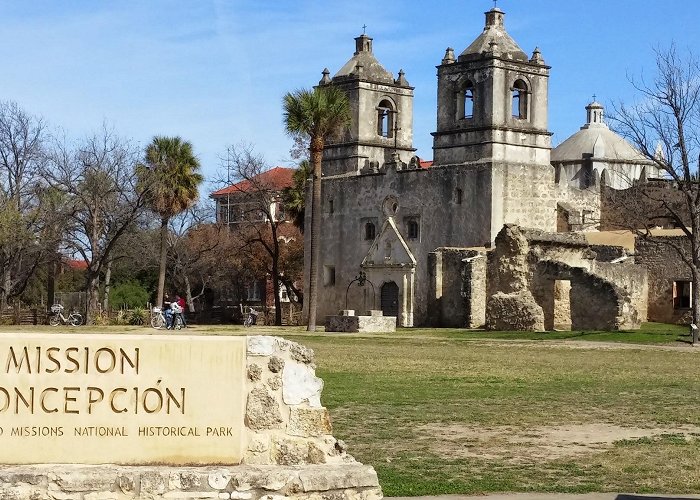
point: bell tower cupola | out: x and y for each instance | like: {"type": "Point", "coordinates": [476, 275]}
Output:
{"type": "Point", "coordinates": [492, 101]}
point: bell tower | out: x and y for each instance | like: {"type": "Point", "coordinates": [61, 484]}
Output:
{"type": "Point", "coordinates": [492, 101]}
{"type": "Point", "coordinates": [381, 131]}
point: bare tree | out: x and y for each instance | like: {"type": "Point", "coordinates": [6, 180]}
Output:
{"type": "Point", "coordinates": [28, 209]}
{"type": "Point", "coordinates": [196, 246]}
{"type": "Point", "coordinates": [260, 225]}
{"type": "Point", "coordinates": [665, 127]}
{"type": "Point", "coordinates": [98, 182]}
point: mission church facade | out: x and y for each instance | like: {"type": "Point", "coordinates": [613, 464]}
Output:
{"type": "Point", "coordinates": [386, 212]}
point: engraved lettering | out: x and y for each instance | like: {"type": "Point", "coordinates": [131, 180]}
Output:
{"type": "Point", "coordinates": [72, 360]}
{"type": "Point", "coordinates": [69, 399]}
{"type": "Point", "coordinates": [95, 395]}
{"type": "Point", "coordinates": [11, 357]}
{"type": "Point", "coordinates": [43, 397]}
{"type": "Point", "coordinates": [49, 355]}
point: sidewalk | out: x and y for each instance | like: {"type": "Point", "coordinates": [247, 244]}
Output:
{"type": "Point", "coordinates": [554, 496]}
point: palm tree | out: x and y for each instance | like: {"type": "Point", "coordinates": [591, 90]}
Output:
{"type": "Point", "coordinates": [171, 179]}
{"type": "Point", "coordinates": [321, 114]}
{"type": "Point", "coordinates": [293, 195]}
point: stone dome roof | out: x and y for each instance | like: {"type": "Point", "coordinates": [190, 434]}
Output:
{"type": "Point", "coordinates": [494, 39]}
{"type": "Point", "coordinates": [364, 61]}
{"type": "Point", "coordinates": [596, 140]}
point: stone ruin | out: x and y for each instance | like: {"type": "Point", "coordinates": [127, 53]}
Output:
{"type": "Point", "coordinates": [289, 450]}
{"type": "Point", "coordinates": [540, 281]}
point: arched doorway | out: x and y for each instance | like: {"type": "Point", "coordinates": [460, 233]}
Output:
{"type": "Point", "coordinates": [390, 299]}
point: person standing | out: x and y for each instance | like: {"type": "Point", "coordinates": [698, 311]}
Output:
{"type": "Point", "coordinates": [181, 302]}
{"type": "Point", "coordinates": [168, 312]}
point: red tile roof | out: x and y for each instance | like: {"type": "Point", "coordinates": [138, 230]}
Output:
{"type": "Point", "coordinates": [276, 178]}
{"type": "Point", "coordinates": [77, 264]}
{"type": "Point", "coordinates": [426, 163]}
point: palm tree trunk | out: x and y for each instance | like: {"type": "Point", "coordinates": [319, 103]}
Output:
{"type": "Point", "coordinates": [163, 260]}
{"type": "Point", "coordinates": [316, 158]}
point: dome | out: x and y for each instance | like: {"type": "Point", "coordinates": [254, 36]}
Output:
{"type": "Point", "coordinates": [364, 61]}
{"type": "Point", "coordinates": [494, 39]}
{"type": "Point", "coordinates": [596, 140]}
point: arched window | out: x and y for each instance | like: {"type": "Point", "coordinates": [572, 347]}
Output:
{"type": "Point", "coordinates": [385, 119]}
{"type": "Point", "coordinates": [370, 231]}
{"type": "Point", "coordinates": [468, 100]}
{"type": "Point", "coordinates": [519, 100]}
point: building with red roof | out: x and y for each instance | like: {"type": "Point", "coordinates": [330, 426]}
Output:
{"type": "Point", "coordinates": [238, 202]}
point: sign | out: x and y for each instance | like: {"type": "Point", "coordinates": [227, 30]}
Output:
{"type": "Point", "coordinates": [121, 399]}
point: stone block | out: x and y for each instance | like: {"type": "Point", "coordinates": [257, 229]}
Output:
{"type": "Point", "coordinates": [367, 324]}
{"type": "Point", "coordinates": [301, 481]}
{"type": "Point", "coordinates": [290, 451]}
{"type": "Point", "coordinates": [262, 410]}
{"type": "Point", "coordinates": [275, 364]}
{"type": "Point", "coordinates": [261, 345]}
{"type": "Point", "coordinates": [254, 372]}
{"type": "Point", "coordinates": [300, 384]}
{"type": "Point", "coordinates": [323, 479]}
{"type": "Point", "coordinates": [102, 495]}
{"type": "Point", "coordinates": [275, 382]}
{"type": "Point", "coordinates": [309, 422]}
{"type": "Point", "coordinates": [153, 483]}
{"type": "Point", "coordinates": [219, 479]}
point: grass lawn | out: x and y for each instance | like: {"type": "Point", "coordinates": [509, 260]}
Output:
{"type": "Point", "coordinates": [450, 412]}
{"type": "Point", "coordinates": [461, 411]}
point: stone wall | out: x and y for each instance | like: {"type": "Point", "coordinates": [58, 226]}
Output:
{"type": "Point", "coordinates": [457, 296]}
{"type": "Point", "coordinates": [529, 270]}
{"type": "Point", "coordinates": [451, 205]}
{"type": "Point", "coordinates": [290, 451]}
{"type": "Point", "coordinates": [664, 267]}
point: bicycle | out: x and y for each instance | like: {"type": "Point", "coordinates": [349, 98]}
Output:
{"type": "Point", "coordinates": [251, 318]}
{"type": "Point", "coordinates": [57, 317]}
{"type": "Point", "coordinates": [158, 319]}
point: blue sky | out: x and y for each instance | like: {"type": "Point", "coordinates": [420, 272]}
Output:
{"type": "Point", "coordinates": [214, 72]}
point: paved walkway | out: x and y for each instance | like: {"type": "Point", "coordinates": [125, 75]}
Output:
{"type": "Point", "coordinates": [554, 496]}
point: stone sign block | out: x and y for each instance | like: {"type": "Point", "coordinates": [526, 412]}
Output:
{"type": "Point", "coordinates": [122, 399]}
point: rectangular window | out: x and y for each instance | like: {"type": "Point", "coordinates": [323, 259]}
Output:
{"type": "Point", "coordinates": [682, 294]}
{"type": "Point", "coordinates": [328, 275]}
{"type": "Point", "coordinates": [330, 206]}
{"type": "Point", "coordinates": [412, 228]}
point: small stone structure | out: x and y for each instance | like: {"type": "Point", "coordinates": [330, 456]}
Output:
{"type": "Point", "coordinates": [374, 322]}
{"type": "Point", "coordinates": [289, 449]}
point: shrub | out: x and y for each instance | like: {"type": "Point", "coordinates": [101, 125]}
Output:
{"type": "Point", "coordinates": [139, 316]}
{"type": "Point", "coordinates": [129, 294]}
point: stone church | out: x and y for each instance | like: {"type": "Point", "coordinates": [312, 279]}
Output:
{"type": "Point", "coordinates": [400, 219]}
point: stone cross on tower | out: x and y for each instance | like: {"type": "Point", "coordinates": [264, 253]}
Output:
{"type": "Point", "coordinates": [364, 27]}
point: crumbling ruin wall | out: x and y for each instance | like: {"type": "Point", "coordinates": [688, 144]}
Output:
{"type": "Point", "coordinates": [531, 270]}
{"type": "Point", "coordinates": [510, 304]}
{"type": "Point", "coordinates": [665, 268]}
